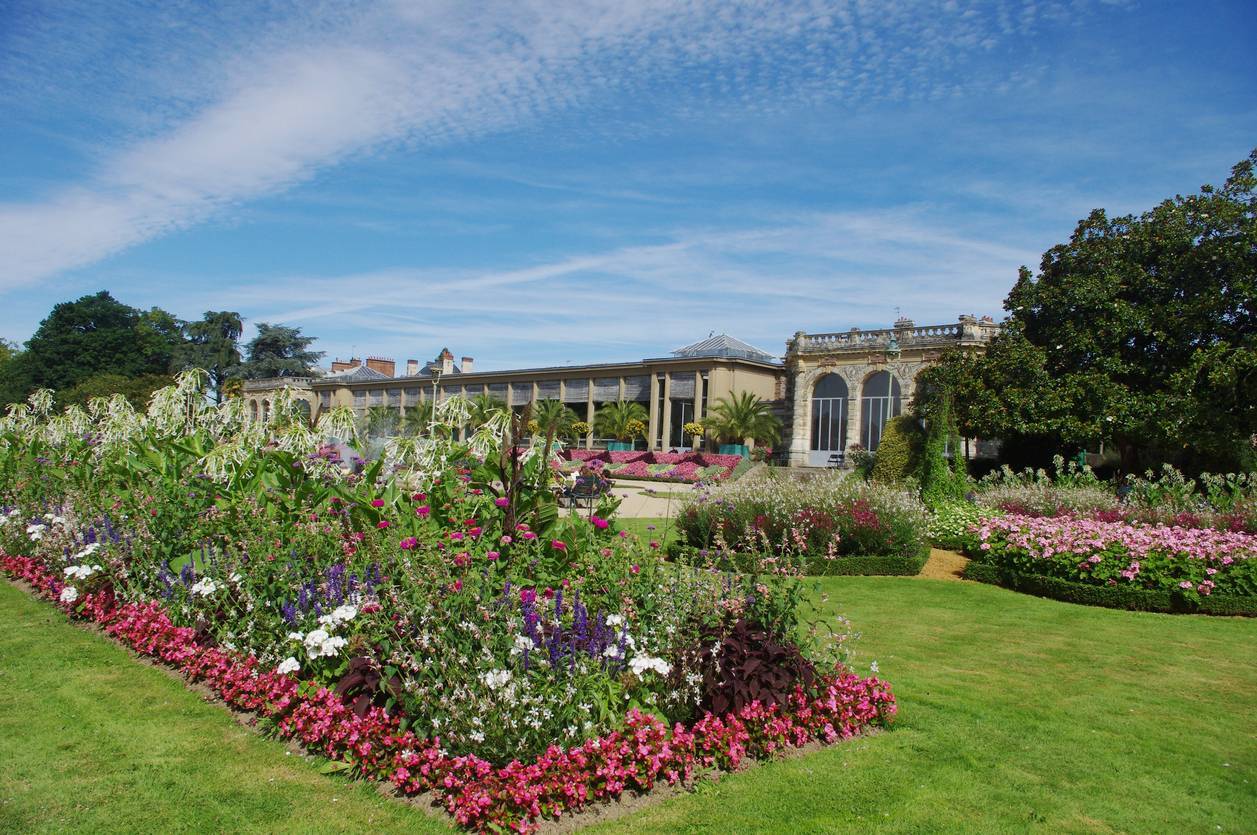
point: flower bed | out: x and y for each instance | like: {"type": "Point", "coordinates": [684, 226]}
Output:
{"type": "Point", "coordinates": [1193, 562]}
{"type": "Point", "coordinates": [810, 527]}
{"type": "Point", "coordinates": [684, 467]}
{"type": "Point", "coordinates": [478, 794]}
{"type": "Point", "coordinates": [437, 604]}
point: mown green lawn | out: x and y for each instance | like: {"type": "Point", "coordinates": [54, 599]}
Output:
{"type": "Point", "coordinates": [1016, 714]}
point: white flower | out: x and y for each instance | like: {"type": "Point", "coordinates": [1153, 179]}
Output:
{"type": "Point", "coordinates": [522, 644]}
{"type": "Point", "coordinates": [69, 594]}
{"type": "Point", "coordinates": [319, 643]}
{"type": "Point", "coordinates": [344, 614]}
{"type": "Point", "coordinates": [235, 577]}
{"type": "Point", "coordinates": [204, 587]}
{"type": "Point", "coordinates": [496, 679]}
{"type": "Point", "coordinates": [873, 668]}
{"type": "Point", "coordinates": [87, 551]}
{"type": "Point", "coordinates": [615, 620]}
{"type": "Point", "coordinates": [296, 636]}
{"type": "Point", "coordinates": [642, 663]}
{"type": "Point", "coordinates": [35, 532]}
{"type": "Point", "coordinates": [289, 665]}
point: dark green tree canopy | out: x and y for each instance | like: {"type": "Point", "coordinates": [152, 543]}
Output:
{"type": "Point", "coordinates": [213, 344]}
{"type": "Point", "coordinates": [1140, 331]}
{"type": "Point", "coordinates": [279, 351]}
{"type": "Point", "coordinates": [99, 335]}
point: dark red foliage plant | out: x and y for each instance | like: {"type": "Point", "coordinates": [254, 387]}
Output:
{"type": "Point", "coordinates": [746, 663]}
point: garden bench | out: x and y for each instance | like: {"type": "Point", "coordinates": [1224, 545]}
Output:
{"type": "Point", "coordinates": [587, 490]}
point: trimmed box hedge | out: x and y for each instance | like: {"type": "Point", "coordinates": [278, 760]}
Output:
{"type": "Point", "coordinates": [1110, 597]}
{"type": "Point", "coordinates": [852, 565]}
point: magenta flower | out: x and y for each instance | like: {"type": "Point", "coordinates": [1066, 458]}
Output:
{"type": "Point", "coordinates": [502, 502]}
{"type": "Point", "coordinates": [558, 545]}
{"type": "Point", "coordinates": [493, 556]}
{"type": "Point", "coordinates": [600, 523]}
{"type": "Point", "coordinates": [382, 524]}
{"type": "Point", "coordinates": [527, 596]}
{"type": "Point", "coordinates": [423, 510]}
{"type": "Point", "coordinates": [377, 503]}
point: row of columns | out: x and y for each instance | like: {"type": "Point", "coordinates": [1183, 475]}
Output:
{"type": "Point", "coordinates": [653, 425]}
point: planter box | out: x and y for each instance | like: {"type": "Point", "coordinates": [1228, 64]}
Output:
{"type": "Point", "coordinates": [734, 449]}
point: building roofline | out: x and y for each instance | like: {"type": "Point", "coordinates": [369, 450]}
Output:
{"type": "Point", "coordinates": [642, 366]}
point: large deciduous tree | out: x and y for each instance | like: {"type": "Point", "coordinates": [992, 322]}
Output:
{"type": "Point", "coordinates": [279, 351]}
{"type": "Point", "coordinates": [96, 335]}
{"type": "Point", "coordinates": [1140, 331]}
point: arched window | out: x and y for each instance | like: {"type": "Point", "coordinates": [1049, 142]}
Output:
{"type": "Point", "coordinates": [880, 401]}
{"type": "Point", "coordinates": [266, 411]}
{"type": "Point", "coordinates": [829, 419]}
{"type": "Point", "coordinates": [253, 411]}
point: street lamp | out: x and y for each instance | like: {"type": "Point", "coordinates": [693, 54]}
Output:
{"type": "Point", "coordinates": [436, 378]}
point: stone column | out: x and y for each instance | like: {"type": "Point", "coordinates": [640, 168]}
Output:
{"type": "Point", "coordinates": [855, 390]}
{"type": "Point", "coordinates": [801, 425]}
{"type": "Point", "coordinates": [652, 422]}
{"type": "Point", "coordinates": [698, 404]}
{"type": "Point", "coordinates": [667, 411]}
{"type": "Point", "coordinates": [589, 412]}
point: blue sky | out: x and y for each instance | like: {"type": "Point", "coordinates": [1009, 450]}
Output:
{"type": "Point", "coordinates": [536, 183]}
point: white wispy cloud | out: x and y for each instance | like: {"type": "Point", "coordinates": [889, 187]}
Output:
{"type": "Point", "coordinates": [818, 272]}
{"type": "Point", "coordinates": [190, 129]}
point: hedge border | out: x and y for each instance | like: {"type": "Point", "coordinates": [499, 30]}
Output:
{"type": "Point", "coordinates": [857, 565]}
{"type": "Point", "coordinates": [1109, 597]}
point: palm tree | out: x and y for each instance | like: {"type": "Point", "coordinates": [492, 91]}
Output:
{"type": "Point", "coordinates": [381, 421]}
{"type": "Point", "coordinates": [621, 420]}
{"type": "Point", "coordinates": [743, 416]}
{"type": "Point", "coordinates": [553, 415]}
{"type": "Point", "coordinates": [418, 419]}
{"type": "Point", "coordinates": [484, 406]}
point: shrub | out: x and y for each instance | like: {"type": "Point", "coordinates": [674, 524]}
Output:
{"type": "Point", "coordinates": [892, 464]}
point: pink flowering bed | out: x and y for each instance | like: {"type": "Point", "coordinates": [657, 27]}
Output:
{"type": "Point", "coordinates": [1191, 563]}
{"type": "Point", "coordinates": [480, 795]}
{"type": "Point", "coordinates": [687, 467]}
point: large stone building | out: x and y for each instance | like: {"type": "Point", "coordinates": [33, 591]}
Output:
{"type": "Point", "coordinates": [833, 390]}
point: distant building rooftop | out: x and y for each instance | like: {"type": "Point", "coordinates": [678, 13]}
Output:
{"type": "Point", "coordinates": [357, 374]}
{"type": "Point", "coordinates": [723, 345]}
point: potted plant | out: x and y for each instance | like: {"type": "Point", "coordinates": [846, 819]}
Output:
{"type": "Point", "coordinates": [740, 418]}
{"type": "Point", "coordinates": [622, 421]}
{"type": "Point", "coordinates": [694, 430]}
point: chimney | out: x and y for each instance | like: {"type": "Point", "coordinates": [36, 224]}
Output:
{"type": "Point", "coordinates": [344, 365]}
{"type": "Point", "coordinates": [469, 364]}
{"type": "Point", "coordinates": [412, 368]}
{"type": "Point", "coordinates": [383, 365]}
